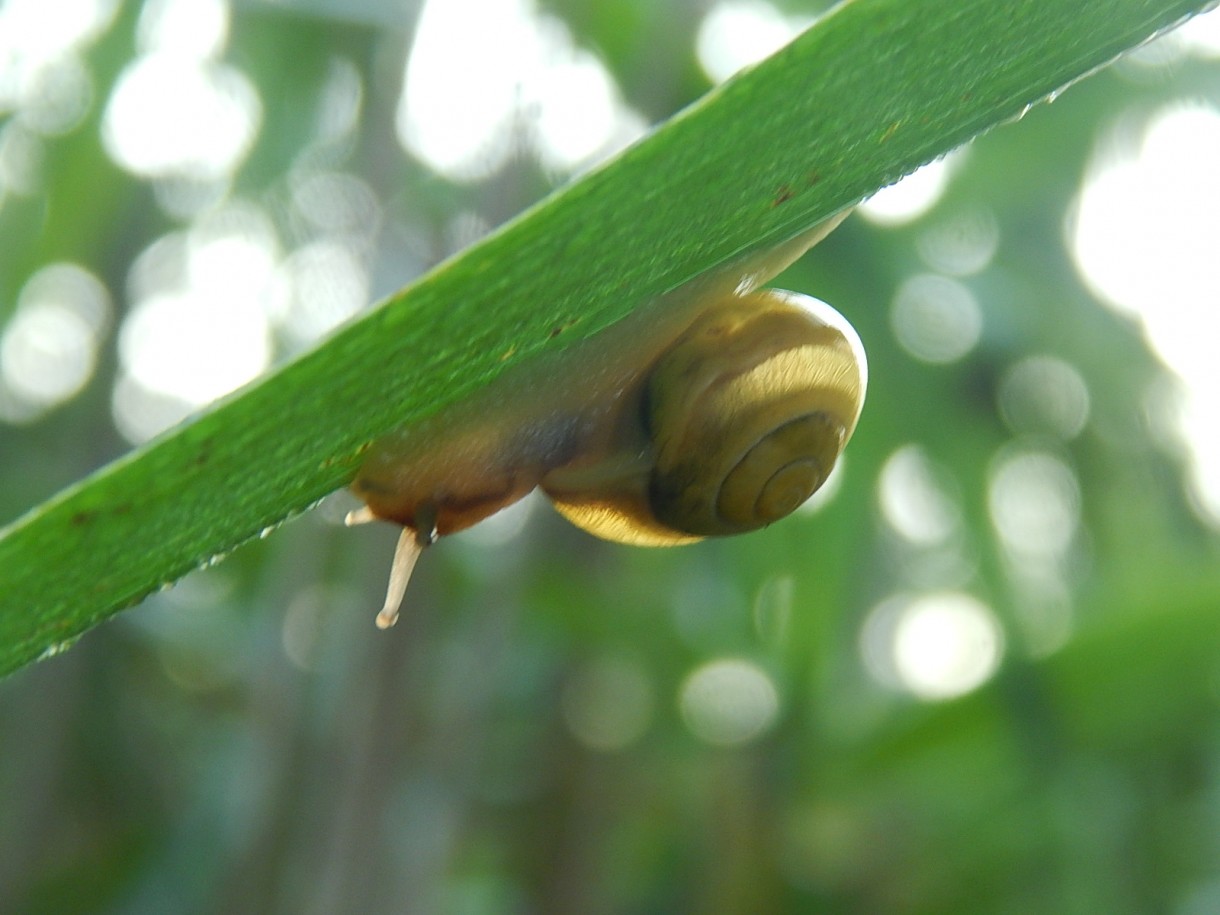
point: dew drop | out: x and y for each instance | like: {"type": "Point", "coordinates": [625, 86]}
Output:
{"type": "Point", "coordinates": [56, 648]}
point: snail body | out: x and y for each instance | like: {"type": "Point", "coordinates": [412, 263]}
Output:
{"type": "Point", "coordinates": [717, 409]}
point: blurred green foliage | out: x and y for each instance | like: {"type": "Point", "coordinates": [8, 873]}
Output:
{"type": "Point", "coordinates": [526, 739]}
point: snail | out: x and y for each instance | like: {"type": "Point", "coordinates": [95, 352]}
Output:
{"type": "Point", "coordinates": [716, 409]}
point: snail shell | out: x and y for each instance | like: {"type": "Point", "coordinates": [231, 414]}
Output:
{"type": "Point", "coordinates": [743, 418]}
{"type": "Point", "coordinates": [716, 410]}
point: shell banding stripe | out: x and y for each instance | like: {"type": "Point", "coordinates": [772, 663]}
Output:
{"type": "Point", "coordinates": [826, 367]}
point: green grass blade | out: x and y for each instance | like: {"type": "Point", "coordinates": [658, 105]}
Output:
{"type": "Point", "coordinates": [875, 89]}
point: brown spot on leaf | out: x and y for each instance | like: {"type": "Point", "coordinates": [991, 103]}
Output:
{"type": "Point", "coordinates": [783, 195]}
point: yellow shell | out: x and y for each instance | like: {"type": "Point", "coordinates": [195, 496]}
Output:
{"type": "Point", "coordinates": [743, 419]}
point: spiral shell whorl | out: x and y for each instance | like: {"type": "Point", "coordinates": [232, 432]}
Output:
{"type": "Point", "coordinates": [749, 411]}
{"type": "Point", "coordinates": [780, 472]}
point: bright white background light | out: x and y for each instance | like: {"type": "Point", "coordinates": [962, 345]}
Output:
{"type": "Point", "coordinates": [936, 646]}
{"type": "Point", "coordinates": [1145, 235]}
{"type": "Point", "coordinates": [914, 195]}
{"type": "Point", "coordinates": [176, 111]}
{"type": "Point", "coordinates": [487, 77]}
{"type": "Point", "coordinates": [728, 702]}
{"type": "Point", "coordinates": [737, 33]}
